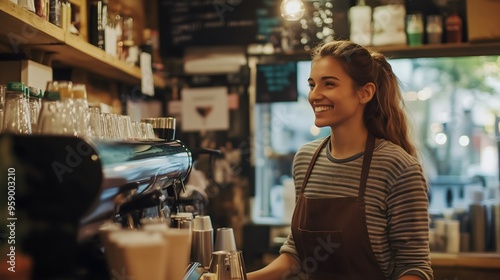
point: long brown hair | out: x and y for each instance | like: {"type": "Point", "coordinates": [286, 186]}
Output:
{"type": "Point", "coordinates": [384, 115]}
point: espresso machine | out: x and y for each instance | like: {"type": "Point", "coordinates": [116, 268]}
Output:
{"type": "Point", "coordinates": [68, 187]}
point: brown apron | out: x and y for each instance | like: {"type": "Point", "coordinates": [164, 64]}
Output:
{"type": "Point", "coordinates": [331, 235]}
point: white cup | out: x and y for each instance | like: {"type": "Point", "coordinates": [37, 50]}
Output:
{"type": "Point", "coordinates": [452, 236]}
{"type": "Point", "coordinates": [440, 234]}
{"type": "Point", "coordinates": [224, 241]}
{"type": "Point", "coordinates": [110, 251]}
{"type": "Point", "coordinates": [139, 254]}
{"type": "Point", "coordinates": [179, 248]}
{"type": "Point", "coordinates": [202, 223]}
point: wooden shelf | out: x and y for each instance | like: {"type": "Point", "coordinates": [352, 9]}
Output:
{"type": "Point", "coordinates": [26, 27]}
{"type": "Point", "coordinates": [30, 31]}
{"type": "Point", "coordinates": [441, 50]}
{"type": "Point", "coordinates": [404, 51]}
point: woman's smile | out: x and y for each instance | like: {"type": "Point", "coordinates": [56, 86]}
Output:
{"type": "Point", "coordinates": [320, 109]}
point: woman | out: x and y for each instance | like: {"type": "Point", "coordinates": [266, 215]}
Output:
{"type": "Point", "coordinates": [362, 208]}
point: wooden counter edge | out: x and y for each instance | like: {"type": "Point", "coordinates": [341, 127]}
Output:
{"type": "Point", "coordinates": [473, 260]}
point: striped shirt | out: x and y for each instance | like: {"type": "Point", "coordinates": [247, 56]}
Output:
{"type": "Point", "coordinates": [396, 202]}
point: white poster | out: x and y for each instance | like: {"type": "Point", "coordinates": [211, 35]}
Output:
{"type": "Point", "coordinates": [147, 81]}
{"type": "Point", "coordinates": [204, 109]}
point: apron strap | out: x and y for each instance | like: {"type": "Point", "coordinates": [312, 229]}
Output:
{"type": "Point", "coordinates": [367, 158]}
{"type": "Point", "coordinates": [365, 170]}
{"type": "Point", "coordinates": [311, 164]}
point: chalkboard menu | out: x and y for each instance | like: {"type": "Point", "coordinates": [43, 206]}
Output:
{"type": "Point", "coordinates": [276, 82]}
{"type": "Point", "coordinates": [210, 22]}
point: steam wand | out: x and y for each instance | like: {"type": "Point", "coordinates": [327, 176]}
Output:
{"type": "Point", "coordinates": [174, 190]}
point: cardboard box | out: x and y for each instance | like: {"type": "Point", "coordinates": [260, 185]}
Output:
{"type": "Point", "coordinates": [483, 20]}
{"type": "Point", "coordinates": [29, 72]}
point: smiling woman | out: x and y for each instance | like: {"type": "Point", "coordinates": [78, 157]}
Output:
{"type": "Point", "coordinates": [452, 104]}
{"type": "Point", "coordinates": [361, 192]}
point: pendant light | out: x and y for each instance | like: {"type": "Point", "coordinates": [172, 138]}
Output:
{"type": "Point", "coordinates": [292, 10]}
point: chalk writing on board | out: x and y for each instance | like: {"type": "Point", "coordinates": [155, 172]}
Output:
{"type": "Point", "coordinates": [277, 82]}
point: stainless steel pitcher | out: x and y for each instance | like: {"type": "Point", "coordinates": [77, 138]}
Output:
{"type": "Point", "coordinates": [228, 265]}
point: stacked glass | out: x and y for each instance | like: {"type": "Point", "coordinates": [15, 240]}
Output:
{"type": "Point", "coordinates": [64, 110]}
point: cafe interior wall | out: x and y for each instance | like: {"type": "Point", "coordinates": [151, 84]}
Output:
{"type": "Point", "coordinates": [229, 204]}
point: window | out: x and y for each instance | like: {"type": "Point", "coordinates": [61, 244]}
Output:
{"type": "Point", "coordinates": [453, 105]}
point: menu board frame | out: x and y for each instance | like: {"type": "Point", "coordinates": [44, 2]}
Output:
{"type": "Point", "coordinates": [190, 23]}
{"type": "Point", "coordinates": [276, 82]}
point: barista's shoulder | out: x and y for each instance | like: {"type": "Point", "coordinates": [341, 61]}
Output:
{"type": "Point", "coordinates": [310, 147]}
{"type": "Point", "coordinates": [392, 152]}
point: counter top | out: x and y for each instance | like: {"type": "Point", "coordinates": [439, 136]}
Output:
{"type": "Point", "coordinates": [475, 260]}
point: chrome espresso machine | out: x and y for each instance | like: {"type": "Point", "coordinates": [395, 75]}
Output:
{"type": "Point", "coordinates": [68, 187]}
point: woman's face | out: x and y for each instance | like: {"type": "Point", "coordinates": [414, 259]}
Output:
{"type": "Point", "coordinates": [332, 96]}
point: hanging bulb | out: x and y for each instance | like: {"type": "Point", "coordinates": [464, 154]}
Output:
{"type": "Point", "coordinates": [292, 10]}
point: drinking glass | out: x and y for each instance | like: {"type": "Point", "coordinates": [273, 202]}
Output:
{"type": "Point", "coordinates": [34, 107]}
{"type": "Point", "coordinates": [66, 123]}
{"type": "Point", "coordinates": [126, 125]}
{"type": "Point", "coordinates": [79, 95]}
{"type": "Point", "coordinates": [16, 118]}
{"type": "Point", "coordinates": [50, 119]}
{"type": "Point", "coordinates": [148, 131]}
{"type": "Point", "coordinates": [2, 104]}
{"type": "Point", "coordinates": [136, 130]}
{"type": "Point", "coordinates": [95, 122]}
{"type": "Point", "coordinates": [104, 126]}
{"type": "Point", "coordinates": [68, 113]}
{"type": "Point", "coordinates": [119, 127]}
{"type": "Point", "coordinates": [111, 125]}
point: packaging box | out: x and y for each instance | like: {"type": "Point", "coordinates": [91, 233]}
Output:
{"type": "Point", "coordinates": [29, 72]}
{"type": "Point", "coordinates": [483, 20]}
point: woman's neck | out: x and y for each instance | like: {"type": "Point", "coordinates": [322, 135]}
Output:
{"type": "Point", "coordinates": [347, 142]}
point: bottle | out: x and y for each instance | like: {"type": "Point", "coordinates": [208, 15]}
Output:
{"type": "Point", "coordinates": [360, 19]}
{"type": "Point", "coordinates": [147, 45]}
{"type": "Point", "coordinates": [434, 29]}
{"type": "Point", "coordinates": [415, 29]}
{"type": "Point", "coordinates": [17, 118]}
{"type": "Point", "coordinates": [453, 25]}
{"type": "Point", "coordinates": [27, 4]}
{"type": "Point", "coordinates": [478, 221]}
{"type": "Point", "coordinates": [55, 12]}
{"type": "Point", "coordinates": [130, 50]}
{"type": "Point", "coordinates": [98, 18]}
{"type": "Point", "coordinates": [42, 8]}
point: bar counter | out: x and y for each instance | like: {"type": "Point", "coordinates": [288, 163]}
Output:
{"type": "Point", "coordinates": [480, 266]}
